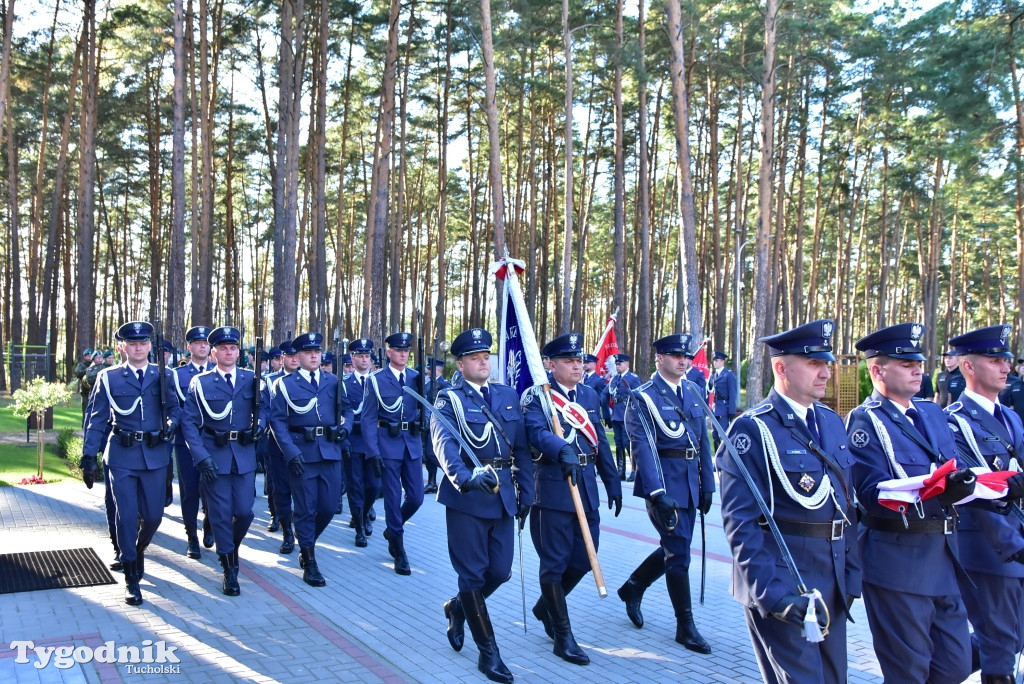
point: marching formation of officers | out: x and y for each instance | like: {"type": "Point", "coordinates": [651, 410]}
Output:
{"type": "Point", "coordinates": [808, 503]}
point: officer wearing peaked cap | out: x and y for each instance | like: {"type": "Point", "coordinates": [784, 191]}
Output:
{"type": "Point", "coordinates": [665, 423]}
{"type": "Point", "coordinates": [432, 384]}
{"type": "Point", "coordinates": [617, 393]}
{"type": "Point", "coordinates": [311, 422]}
{"type": "Point", "coordinates": [580, 454]}
{"type": "Point", "coordinates": [221, 437]}
{"type": "Point", "coordinates": [135, 445]}
{"type": "Point", "coordinates": [726, 386]}
{"type": "Point", "coordinates": [591, 378]}
{"type": "Point", "coordinates": [280, 495]}
{"type": "Point", "coordinates": [480, 503]}
{"type": "Point", "coordinates": [916, 614]}
{"type": "Point", "coordinates": [694, 374]}
{"type": "Point", "coordinates": [796, 451]}
{"type": "Point", "coordinates": [394, 446]}
{"type": "Point", "coordinates": [197, 342]}
{"type": "Point", "coordinates": [991, 542]}
{"type": "Point", "coordinates": [361, 482]}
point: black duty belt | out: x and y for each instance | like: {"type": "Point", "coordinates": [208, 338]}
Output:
{"type": "Point", "coordinates": [318, 430]}
{"type": "Point", "coordinates": [232, 435]}
{"type": "Point", "coordinates": [404, 425]}
{"type": "Point", "coordinates": [911, 526]}
{"type": "Point", "coordinates": [137, 435]}
{"type": "Point", "coordinates": [832, 530]}
{"type": "Point", "coordinates": [688, 454]}
{"type": "Point", "coordinates": [498, 463]}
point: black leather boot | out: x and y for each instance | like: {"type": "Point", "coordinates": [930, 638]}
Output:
{"type": "Point", "coordinates": [620, 461]}
{"type": "Point", "coordinates": [686, 631]}
{"type": "Point", "coordinates": [357, 524]}
{"type": "Point", "coordinates": [996, 679]}
{"type": "Point", "coordinates": [397, 544]}
{"type": "Point", "coordinates": [193, 550]}
{"type": "Point", "coordinates": [310, 572]}
{"type": "Point", "coordinates": [288, 537]}
{"type": "Point", "coordinates": [570, 578]}
{"type": "Point", "coordinates": [456, 623]}
{"type": "Point", "coordinates": [274, 525]}
{"type": "Point", "coordinates": [230, 584]}
{"type": "Point", "coordinates": [169, 498]}
{"type": "Point", "coordinates": [368, 519]}
{"type": "Point", "coordinates": [132, 592]}
{"type": "Point", "coordinates": [117, 564]}
{"type": "Point", "coordinates": [207, 532]}
{"type": "Point", "coordinates": [489, 660]}
{"type": "Point", "coordinates": [632, 592]}
{"type": "Point", "coordinates": [140, 563]}
{"type": "Point", "coordinates": [566, 647]}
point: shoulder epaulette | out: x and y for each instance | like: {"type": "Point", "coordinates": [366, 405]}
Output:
{"type": "Point", "coordinates": [759, 409]}
{"type": "Point", "coordinates": [819, 405]}
{"type": "Point", "coordinates": [954, 407]}
{"type": "Point", "coordinates": [644, 386]}
{"type": "Point", "coordinates": [870, 403]}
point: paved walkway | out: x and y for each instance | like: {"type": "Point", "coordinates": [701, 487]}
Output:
{"type": "Point", "coordinates": [368, 624]}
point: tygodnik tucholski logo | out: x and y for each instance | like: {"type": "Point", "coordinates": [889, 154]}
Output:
{"type": "Point", "coordinates": [149, 658]}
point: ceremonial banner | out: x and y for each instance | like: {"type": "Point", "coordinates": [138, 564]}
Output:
{"type": "Point", "coordinates": [607, 346]}
{"type": "Point", "coordinates": [519, 360]}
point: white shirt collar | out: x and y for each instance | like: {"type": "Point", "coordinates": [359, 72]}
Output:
{"type": "Point", "coordinates": [799, 410]}
{"type": "Point", "coordinates": [474, 385]}
{"type": "Point", "coordinates": [397, 372]}
{"type": "Point", "coordinates": [673, 385]}
{"type": "Point", "coordinates": [565, 390]}
{"type": "Point", "coordinates": [226, 374]}
{"type": "Point", "coordinates": [135, 371]}
{"type": "Point", "coordinates": [201, 368]}
{"type": "Point", "coordinates": [984, 403]}
{"type": "Point", "coordinates": [308, 375]}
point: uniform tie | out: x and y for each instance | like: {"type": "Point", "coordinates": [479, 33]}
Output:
{"type": "Point", "coordinates": [362, 383]}
{"type": "Point", "coordinates": [572, 395]}
{"type": "Point", "coordinates": [139, 373]}
{"type": "Point", "coordinates": [486, 391]}
{"type": "Point", "coordinates": [679, 393]}
{"type": "Point", "coordinates": [998, 412]}
{"type": "Point", "coordinates": [915, 419]}
{"type": "Point", "coordinates": [227, 379]}
{"type": "Point", "coordinates": [812, 424]}
{"type": "Point", "coordinates": [312, 379]}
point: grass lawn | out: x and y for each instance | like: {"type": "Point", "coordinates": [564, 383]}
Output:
{"type": "Point", "coordinates": [18, 461]}
{"type": "Point", "coordinates": [63, 417]}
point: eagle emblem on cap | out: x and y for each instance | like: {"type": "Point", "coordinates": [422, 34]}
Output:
{"type": "Point", "coordinates": [477, 333]}
{"type": "Point", "coordinates": [137, 327]}
{"type": "Point", "coordinates": [915, 332]}
{"type": "Point", "coordinates": [1005, 334]}
{"type": "Point", "coordinates": [572, 340]}
{"type": "Point", "coordinates": [315, 337]}
{"type": "Point", "coordinates": [826, 330]}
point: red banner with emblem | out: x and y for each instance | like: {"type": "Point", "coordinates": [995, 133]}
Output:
{"type": "Point", "coordinates": [607, 346]}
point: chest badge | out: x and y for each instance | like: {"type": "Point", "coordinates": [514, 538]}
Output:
{"type": "Point", "coordinates": [806, 482]}
{"type": "Point", "coordinates": [997, 463]}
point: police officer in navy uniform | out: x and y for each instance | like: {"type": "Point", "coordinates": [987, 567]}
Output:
{"type": "Point", "coordinates": [278, 464]}
{"type": "Point", "coordinates": [591, 378]}
{"type": "Point", "coordinates": [262, 454]}
{"type": "Point", "coordinates": [991, 542]}
{"type": "Point", "coordinates": [1013, 395]}
{"type": "Point", "coordinates": [310, 423]}
{"type": "Point", "coordinates": [694, 374]}
{"type": "Point", "coordinates": [666, 427]}
{"type": "Point", "coordinates": [955, 383]}
{"type": "Point", "coordinates": [796, 451]}
{"type": "Point", "coordinates": [480, 503]}
{"type": "Point", "coordinates": [221, 437]}
{"type": "Point", "coordinates": [726, 386]}
{"type": "Point", "coordinates": [579, 455]}
{"type": "Point", "coordinates": [916, 614]}
{"type": "Point", "coordinates": [617, 393]}
{"type": "Point", "coordinates": [361, 482]}
{"type": "Point", "coordinates": [394, 447]}
{"type": "Point", "coordinates": [432, 384]}
{"type": "Point", "coordinates": [108, 491]}
{"type": "Point", "coordinates": [188, 477]}
{"type": "Point", "coordinates": [137, 448]}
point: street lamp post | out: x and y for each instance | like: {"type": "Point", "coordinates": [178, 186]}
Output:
{"type": "Point", "coordinates": [736, 334]}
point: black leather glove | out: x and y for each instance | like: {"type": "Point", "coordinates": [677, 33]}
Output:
{"type": "Point", "coordinates": [377, 465]}
{"type": "Point", "coordinates": [258, 434]}
{"type": "Point", "coordinates": [569, 462]}
{"type": "Point", "coordinates": [207, 470]}
{"type": "Point", "coordinates": [791, 608]}
{"type": "Point", "coordinates": [850, 598]}
{"type": "Point", "coordinates": [608, 424]}
{"type": "Point", "coordinates": [167, 434]}
{"type": "Point", "coordinates": [522, 514]}
{"type": "Point", "coordinates": [665, 510]}
{"type": "Point", "coordinates": [615, 501]}
{"type": "Point", "coordinates": [705, 502]}
{"type": "Point", "coordinates": [1016, 487]}
{"type": "Point", "coordinates": [88, 466]}
{"type": "Point", "coordinates": [483, 480]}
{"type": "Point", "coordinates": [297, 465]}
{"type": "Point", "coordinates": [959, 484]}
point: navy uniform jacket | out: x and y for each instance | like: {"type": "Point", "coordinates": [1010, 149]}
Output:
{"type": "Point", "coordinates": [552, 491]}
{"type": "Point", "coordinates": [377, 439]}
{"type": "Point", "coordinates": [987, 538]}
{"type": "Point", "coordinates": [895, 560]}
{"type": "Point", "coordinates": [1013, 395]}
{"type": "Point", "coordinates": [684, 479]}
{"type": "Point", "coordinates": [457, 466]}
{"type": "Point", "coordinates": [595, 382]}
{"type": "Point", "coordinates": [294, 391]}
{"type": "Point", "coordinates": [217, 396]}
{"type": "Point", "coordinates": [356, 398]}
{"type": "Point", "coordinates": [759, 576]}
{"type": "Point", "coordinates": [618, 388]}
{"type": "Point", "coordinates": [727, 392]}
{"type": "Point", "coordinates": [182, 379]}
{"type": "Point", "coordinates": [696, 376]}
{"type": "Point", "coordinates": [117, 393]}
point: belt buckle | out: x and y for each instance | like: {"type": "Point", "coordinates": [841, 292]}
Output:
{"type": "Point", "coordinates": [837, 529]}
{"type": "Point", "coordinates": [690, 453]}
{"type": "Point", "coordinates": [318, 431]}
{"type": "Point", "coordinates": [949, 526]}
{"type": "Point", "coordinates": [138, 436]}
{"type": "Point", "coordinates": [232, 435]}
{"type": "Point", "coordinates": [404, 425]}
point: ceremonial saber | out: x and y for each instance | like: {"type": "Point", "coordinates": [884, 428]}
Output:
{"type": "Point", "coordinates": [787, 556]}
{"type": "Point", "coordinates": [455, 433]}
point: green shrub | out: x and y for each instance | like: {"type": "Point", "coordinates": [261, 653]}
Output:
{"type": "Point", "coordinates": [74, 453]}
{"type": "Point", "coordinates": [64, 435]}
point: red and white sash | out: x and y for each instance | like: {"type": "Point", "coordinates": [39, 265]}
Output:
{"type": "Point", "coordinates": [576, 416]}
